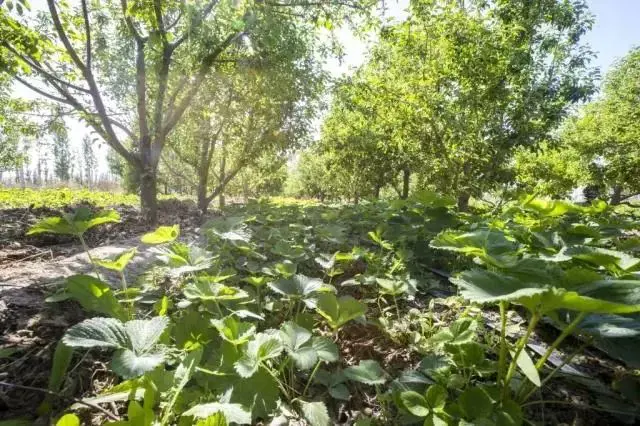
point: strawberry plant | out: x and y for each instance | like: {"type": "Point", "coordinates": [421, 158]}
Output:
{"type": "Point", "coordinates": [262, 322]}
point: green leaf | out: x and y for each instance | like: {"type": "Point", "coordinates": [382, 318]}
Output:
{"type": "Point", "coordinates": [143, 334]}
{"type": "Point", "coordinates": [75, 223]}
{"type": "Point", "coordinates": [120, 262]}
{"type": "Point", "coordinates": [315, 413]}
{"type": "Point", "coordinates": [164, 234]}
{"type": "Point", "coordinates": [264, 346]}
{"type": "Point", "coordinates": [68, 420]}
{"type": "Point", "coordinates": [52, 225]}
{"type": "Point", "coordinates": [296, 286]}
{"type": "Point", "coordinates": [234, 331]}
{"type": "Point", "coordinates": [61, 361]}
{"type": "Point", "coordinates": [233, 413]}
{"type": "Point", "coordinates": [340, 311]}
{"type": "Point", "coordinates": [475, 403]}
{"type": "Point", "coordinates": [510, 414]}
{"type": "Point", "coordinates": [482, 286]}
{"type": "Point", "coordinates": [127, 364]}
{"type": "Point", "coordinates": [217, 419]}
{"type": "Point", "coordinates": [528, 368]}
{"type": "Point", "coordinates": [325, 349]}
{"type": "Point", "coordinates": [617, 291]}
{"type": "Point", "coordinates": [133, 340]}
{"type": "Point", "coordinates": [215, 292]}
{"type": "Point", "coordinates": [392, 287]}
{"type": "Point", "coordinates": [293, 336]}
{"type": "Point", "coordinates": [94, 295]}
{"type": "Point", "coordinates": [139, 415]}
{"type": "Point", "coordinates": [368, 372]}
{"type": "Point", "coordinates": [97, 332]}
{"type": "Point", "coordinates": [304, 358]}
{"type": "Point", "coordinates": [612, 260]}
{"type": "Point", "coordinates": [490, 246]}
{"type": "Point", "coordinates": [340, 391]}
{"type": "Point", "coordinates": [436, 397]}
{"type": "Point", "coordinates": [415, 403]}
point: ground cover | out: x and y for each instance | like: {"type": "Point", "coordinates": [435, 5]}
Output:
{"type": "Point", "coordinates": [304, 313]}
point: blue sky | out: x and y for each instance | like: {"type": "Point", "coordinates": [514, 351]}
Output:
{"type": "Point", "coordinates": [616, 30]}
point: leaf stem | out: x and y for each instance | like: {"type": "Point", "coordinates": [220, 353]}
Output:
{"type": "Point", "coordinates": [275, 377]}
{"type": "Point", "coordinates": [313, 373]}
{"type": "Point", "coordinates": [91, 260]}
{"type": "Point", "coordinates": [564, 362]}
{"type": "Point", "coordinates": [502, 358]}
{"type": "Point", "coordinates": [567, 330]}
{"type": "Point", "coordinates": [126, 294]}
{"type": "Point", "coordinates": [535, 317]}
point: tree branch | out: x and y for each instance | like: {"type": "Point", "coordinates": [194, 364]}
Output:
{"type": "Point", "coordinates": [157, 8]}
{"type": "Point", "coordinates": [42, 92]}
{"type": "Point", "coordinates": [47, 75]}
{"type": "Point", "coordinates": [108, 134]}
{"type": "Point", "coordinates": [129, 22]}
{"type": "Point", "coordinates": [195, 23]}
{"type": "Point", "coordinates": [63, 36]}
{"type": "Point", "coordinates": [206, 65]}
{"type": "Point", "coordinates": [177, 173]}
{"type": "Point", "coordinates": [87, 31]}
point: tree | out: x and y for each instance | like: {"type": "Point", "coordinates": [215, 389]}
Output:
{"type": "Point", "coordinates": [131, 70]}
{"type": "Point", "coordinates": [450, 93]}
{"type": "Point", "coordinates": [599, 147]}
{"type": "Point", "coordinates": [262, 111]}
{"type": "Point", "coordinates": [89, 162]}
{"type": "Point", "coordinates": [15, 128]}
{"type": "Point", "coordinates": [61, 154]}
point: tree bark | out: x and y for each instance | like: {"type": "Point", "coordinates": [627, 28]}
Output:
{"type": "Point", "coordinates": [223, 170]}
{"type": "Point", "coordinates": [148, 196]}
{"type": "Point", "coordinates": [406, 174]}
{"type": "Point", "coordinates": [616, 196]}
{"type": "Point", "coordinates": [463, 201]}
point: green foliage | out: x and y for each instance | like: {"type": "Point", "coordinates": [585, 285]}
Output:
{"type": "Point", "coordinates": [162, 235]}
{"type": "Point", "coordinates": [94, 295]}
{"type": "Point", "coordinates": [256, 328]}
{"type": "Point", "coordinates": [119, 262]}
{"type": "Point", "coordinates": [76, 223]}
{"type": "Point", "coordinates": [447, 95]}
{"type": "Point", "coordinates": [61, 197]}
{"type": "Point", "coordinates": [597, 147]}
{"type": "Point", "coordinates": [134, 342]}
{"type": "Point", "coordinates": [368, 372]}
{"type": "Point", "coordinates": [339, 311]}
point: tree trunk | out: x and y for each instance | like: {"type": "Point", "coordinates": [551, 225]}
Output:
{"type": "Point", "coordinates": [406, 174]}
{"type": "Point", "coordinates": [148, 196]}
{"type": "Point", "coordinates": [376, 191]}
{"type": "Point", "coordinates": [616, 196]}
{"type": "Point", "coordinates": [203, 201]}
{"type": "Point", "coordinates": [223, 170]}
{"type": "Point", "coordinates": [463, 201]}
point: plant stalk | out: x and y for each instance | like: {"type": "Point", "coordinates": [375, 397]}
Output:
{"type": "Point", "coordinates": [86, 250]}
{"type": "Point", "coordinates": [502, 358]}
{"type": "Point", "coordinates": [520, 346]}
{"type": "Point", "coordinates": [567, 330]}
{"type": "Point", "coordinates": [313, 373]}
{"type": "Point", "coordinates": [564, 362]}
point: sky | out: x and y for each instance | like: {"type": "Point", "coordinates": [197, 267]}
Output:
{"type": "Point", "coordinates": [616, 30]}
